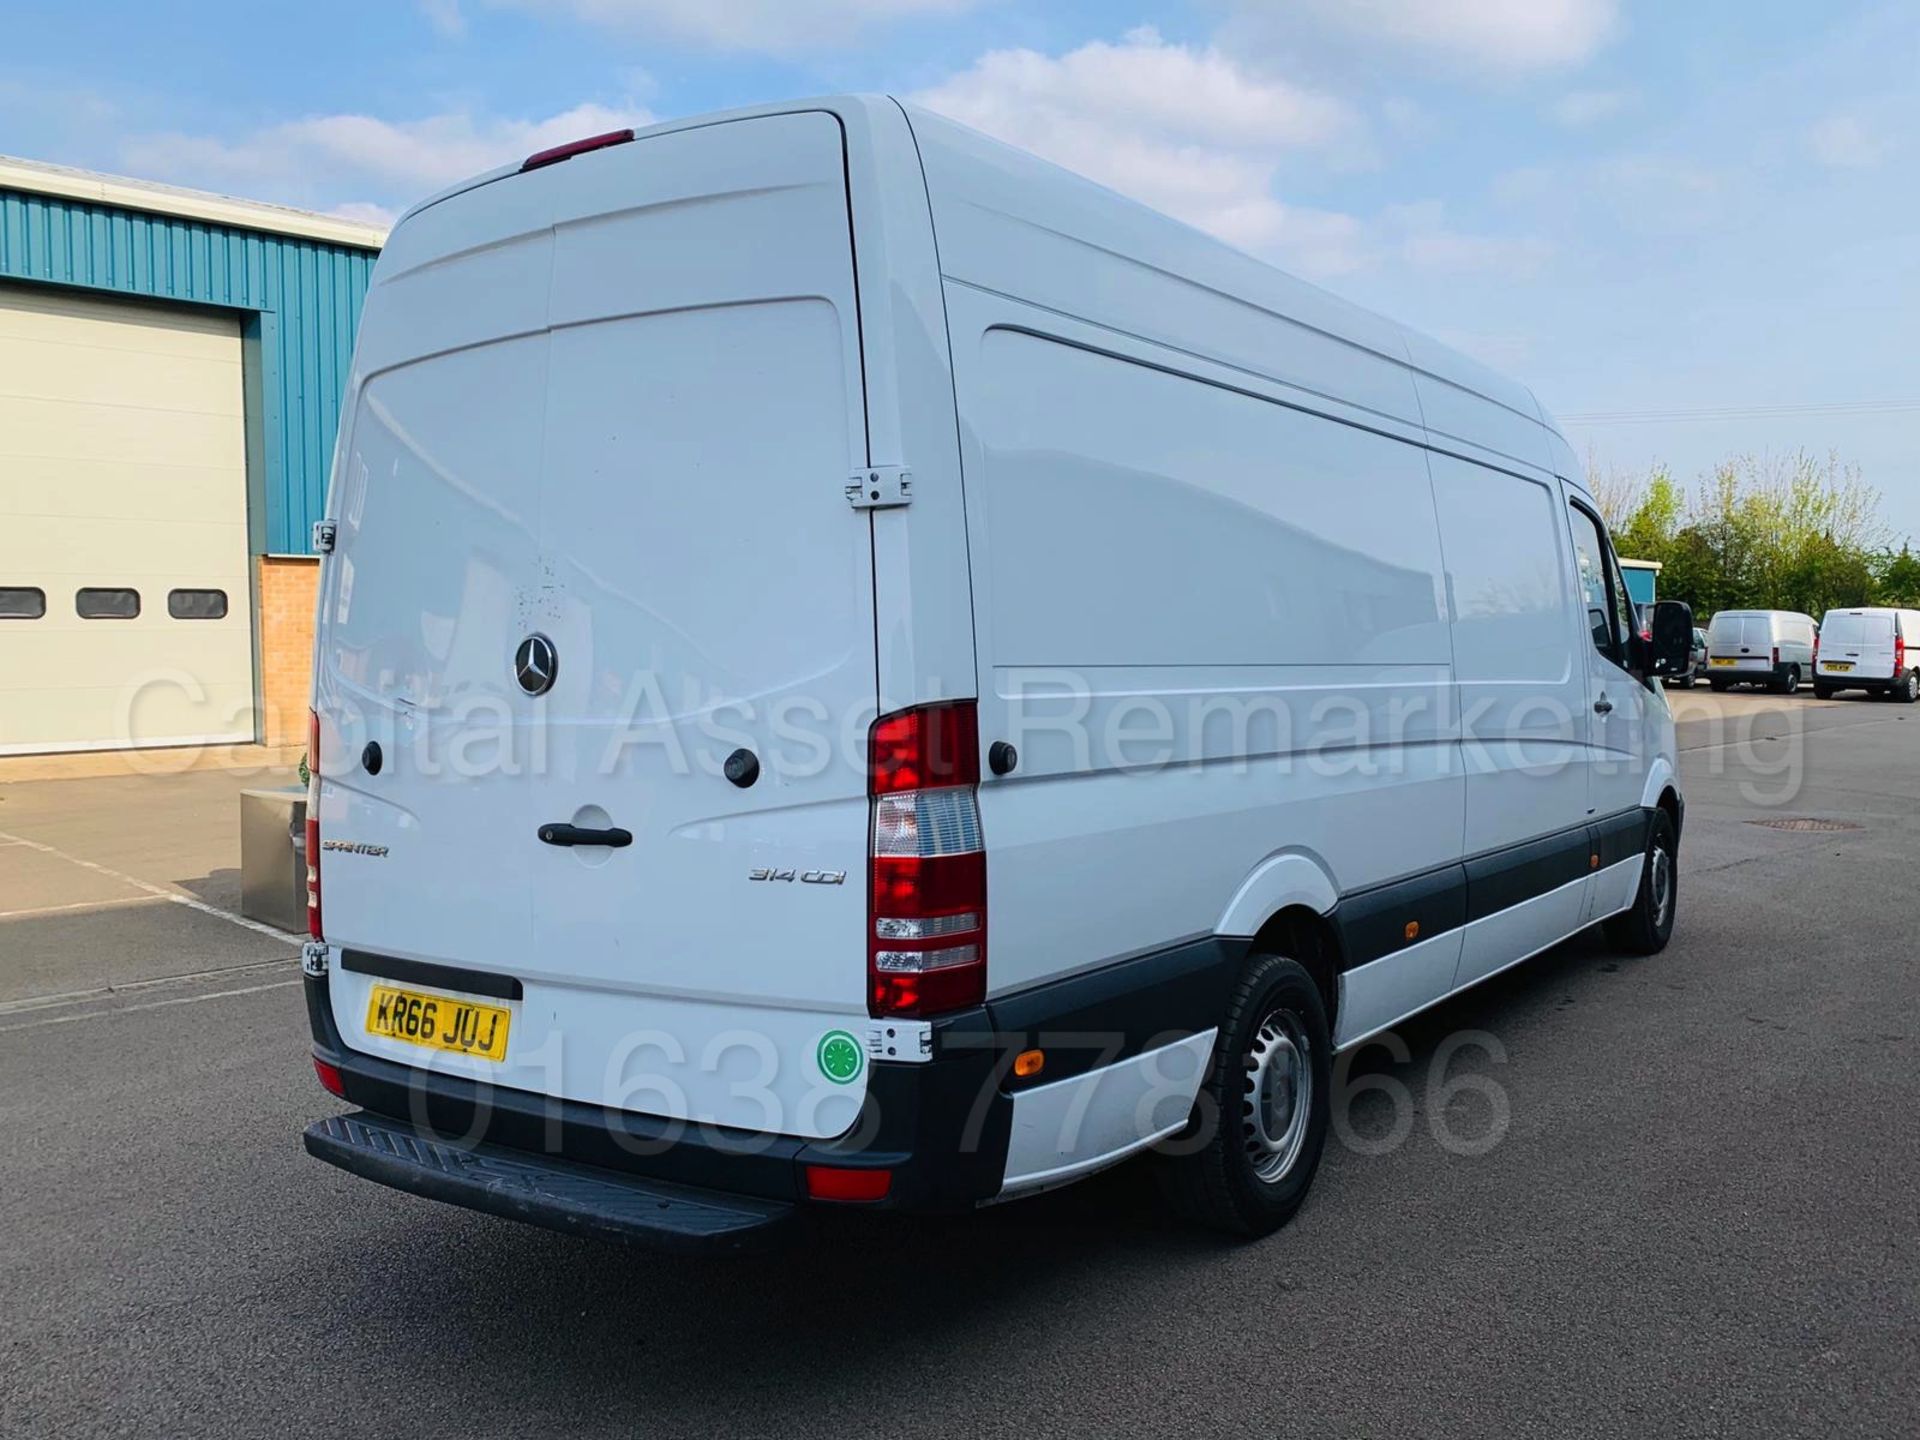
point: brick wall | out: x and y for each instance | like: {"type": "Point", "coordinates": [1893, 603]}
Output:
{"type": "Point", "coordinates": [287, 589]}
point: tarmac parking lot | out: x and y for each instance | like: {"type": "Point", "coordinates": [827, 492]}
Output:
{"type": "Point", "coordinates": [1596, 1195]}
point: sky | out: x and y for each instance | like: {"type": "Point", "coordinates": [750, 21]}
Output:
{"type": "Point", "coordinates": [1693, 228]}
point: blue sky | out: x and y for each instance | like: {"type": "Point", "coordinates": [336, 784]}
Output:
{"type": "Point", "coordinates": [1693, 227]}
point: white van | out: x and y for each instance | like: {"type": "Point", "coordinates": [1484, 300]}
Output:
{"type": "Point", "coordinates": [1771, 648]}
{"type": "Point", "coordinates": [855, 667]}
{"type": "Point", "coordinates": [1874, 649]}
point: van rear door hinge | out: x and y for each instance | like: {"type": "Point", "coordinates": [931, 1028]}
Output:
{"type": "Point", "coordinates": [324, 533]}
{"type": "Point", "coordinates": [880, 487]}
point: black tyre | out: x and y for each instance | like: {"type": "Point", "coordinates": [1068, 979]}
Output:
{"type": "Point", "coordinates": [1906, 689]}
{"type": "Point", "coordinates": [1822, 692]}
{"type": "Point", "coordinates": [1245, 1161]}
{"type": "Point", "coordinates": [1719, 687]}
{"type": "Point", "coordinates": [1792, 684]}
{"type": "Point", "coordinates": [1646, 928]}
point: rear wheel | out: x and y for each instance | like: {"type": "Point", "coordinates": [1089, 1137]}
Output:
{"type": "Point", "coordinates": [1822, 692]}
{"type": "Point", "coordinates": [1719, 687]}
{"type": "Point", "coordinates": [1907, 688]}
{"type": "Point", "coordinates": [1646, 928]}
{"type": "Point", "coordinates": [1245, 1161]}
{"type": "Point", "coordinates": [1791, 684]}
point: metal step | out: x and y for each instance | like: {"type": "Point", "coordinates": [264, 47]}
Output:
{"type": "Point", "coordinates": [556, 1194]}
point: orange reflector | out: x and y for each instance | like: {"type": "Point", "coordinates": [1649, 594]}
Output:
{"type": "Point", "coordinates": [1593, 862]}
{"type": "Point", "coordinates": [833, 1182]}
{"type": "Point", "coordinates": [1413, 929]}
{"type": "Point", "coordinates": [1029, 1062]}
{"type": "Point", "coordinates": [330, 1079]}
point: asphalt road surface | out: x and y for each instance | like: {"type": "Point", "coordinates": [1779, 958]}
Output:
{"type": "Point", "coordinates": [1680, 1196]}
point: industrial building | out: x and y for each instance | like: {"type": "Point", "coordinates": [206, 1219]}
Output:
{"type": "Point", "coordinates": [171, 371]}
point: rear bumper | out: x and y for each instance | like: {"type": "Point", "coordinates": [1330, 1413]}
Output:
{"type": "Point", "coordinates": [573, 1199]}
{"type": "Point", "coordinates": [940, 1127]}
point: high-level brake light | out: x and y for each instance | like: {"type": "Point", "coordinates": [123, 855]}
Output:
{"type": "Point", "coordinates": [572, 148]}
{"type": "Point", "coordinates": [927, 892]}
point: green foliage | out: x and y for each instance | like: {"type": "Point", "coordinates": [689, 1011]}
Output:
{"type": "Point", "coordinates": [1764, 532]}
{"type": "Point", "coordinates": [1898, 577]}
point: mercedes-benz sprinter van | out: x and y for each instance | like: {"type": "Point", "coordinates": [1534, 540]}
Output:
{"type": "Point", "coordinates": [858, 668]}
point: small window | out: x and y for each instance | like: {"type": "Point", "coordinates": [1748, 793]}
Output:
{"type": "Point", "coordinates": [22, 602]}
{"type": "Point", "coordinates": [106, 604]}
{"type": "Point", "coordinates": [1590, 554]}
{"type": "Point", "coordinates": [197, 604]}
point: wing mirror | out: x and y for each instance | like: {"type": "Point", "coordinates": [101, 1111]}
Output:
{"type": "Point", "coordinates": [1670, 650]}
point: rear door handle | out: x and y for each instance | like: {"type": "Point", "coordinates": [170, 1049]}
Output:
{"type": "Point", "coordinates": [1603, 706]}
{"type": "Point", "coordinates": [578, 835]}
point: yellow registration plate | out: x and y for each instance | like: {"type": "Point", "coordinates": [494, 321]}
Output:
{"type": "Point", "coordinates": [464, 1027]}
{"type": "Point", "coordinates": [1838, 665]}
{"type": "Point", "coordinates": [1726, 662]}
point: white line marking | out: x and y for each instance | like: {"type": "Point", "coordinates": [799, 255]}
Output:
{"type": "Point", "coordinates": [174, 895]}
{"type": "Point", "coordinates": [149, 1005]}
{"type": "Point", "coordinates": [128, 987]}
{"type": "Point", "coordinates": [77, 905]}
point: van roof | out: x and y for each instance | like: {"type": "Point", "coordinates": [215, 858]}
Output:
{"type": "Point", "coordinates": [1027, 185]}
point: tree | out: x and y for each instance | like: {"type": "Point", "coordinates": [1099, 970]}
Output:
{"type": "Point", "coordinates": [1898, 580]}
{"type": "Point", "coordinates": [1789, 531]}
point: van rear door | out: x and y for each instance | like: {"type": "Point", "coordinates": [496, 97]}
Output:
{"type": "Point", "coordinates": [1857, 646]}
{"type": "Point", "coordinates": [648, 476]}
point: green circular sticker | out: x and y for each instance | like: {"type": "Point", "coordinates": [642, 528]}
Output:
{"type": "Point", "coordinates": [840, 1057]}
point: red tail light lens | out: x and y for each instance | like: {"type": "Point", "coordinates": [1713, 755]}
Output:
{"type": "Point", "coordinates": [835, 1182]}
{"type": "Point", "coordinates": [927, 892]}
{"type": "Point", "coordinates": [1899, 655]}
{"type": "Point", "coordinates": [574, 147]}
{"type": "Point", "coordinates": [1776, 655]}
{"type": "Point", "coordinates": [330, 1080]}
{"type": "Point", "coordinates": [313, 824]}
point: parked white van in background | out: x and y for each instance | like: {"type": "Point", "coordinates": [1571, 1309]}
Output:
{"type": "Point", "coordinates": [1773, 648]}
{"type": "Point", "coordinates": [1871, 649]}
{"type": "Point", "coordinates": [856, 667]}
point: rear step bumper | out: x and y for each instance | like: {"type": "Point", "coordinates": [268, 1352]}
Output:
{"type": "Point", "coordinates": [573, 1199]}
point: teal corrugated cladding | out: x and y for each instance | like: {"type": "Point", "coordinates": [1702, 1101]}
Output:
{"type": "Point", "coordinates": [300, 302]}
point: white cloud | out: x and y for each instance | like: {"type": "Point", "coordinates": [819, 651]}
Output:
{"type": "Point", "coordinates": [344, 161]}
{"type": "Point", "coordinates": [776, 26]}
{"type": "Point", "coordinates": [1500, 35]}
{"type": "Point", "coordinates": [1185, 129]}
{"type": "Point", "coordinates": [1579, 109]}
{"type": "Point", "coordinates": [445, 17]}
{"type": "Point", "coordinates": [1845, 142]}
{"type": "Point", "coordinates": [1419, 235]}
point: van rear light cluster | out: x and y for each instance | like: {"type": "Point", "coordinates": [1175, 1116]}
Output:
{"type": "Point", "coordinates": [927, 895]}
{"type": "Point", "coordinates": [1899, 654]}
{"type": "Point", "coordinates": [313, 824]}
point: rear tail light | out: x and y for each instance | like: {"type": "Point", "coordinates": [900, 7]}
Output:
{"type": "Point", "coordinates": [574, 147]}
{"type": "Point", "coordinates": [927, 894]}
{"type": "Point", "coordinates": [1816, 648]}
{"type": "Point", "coordinates": [1899, 655]}
{"type": "Point", "coordinates": [313, 824]}
{"type": "Point", "coordinates": [1776, 655]}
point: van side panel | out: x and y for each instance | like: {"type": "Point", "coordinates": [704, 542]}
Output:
{"type": "Point", "coordinates": [1213, 625]}
{"type": "Point", "coordinates": [1518, 654]}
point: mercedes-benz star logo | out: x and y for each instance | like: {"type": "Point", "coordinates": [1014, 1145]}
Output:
{"type": "Point", "coordinates": [535, 664]}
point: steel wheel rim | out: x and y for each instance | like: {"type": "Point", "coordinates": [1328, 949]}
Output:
{"type": "Point", "coordinates": [1278, 1096]}
{"type": "Point", "coordinates": [1662, 885]}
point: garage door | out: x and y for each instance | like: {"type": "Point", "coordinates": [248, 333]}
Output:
{"type": "Point", "coordinates": [124, 605]}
